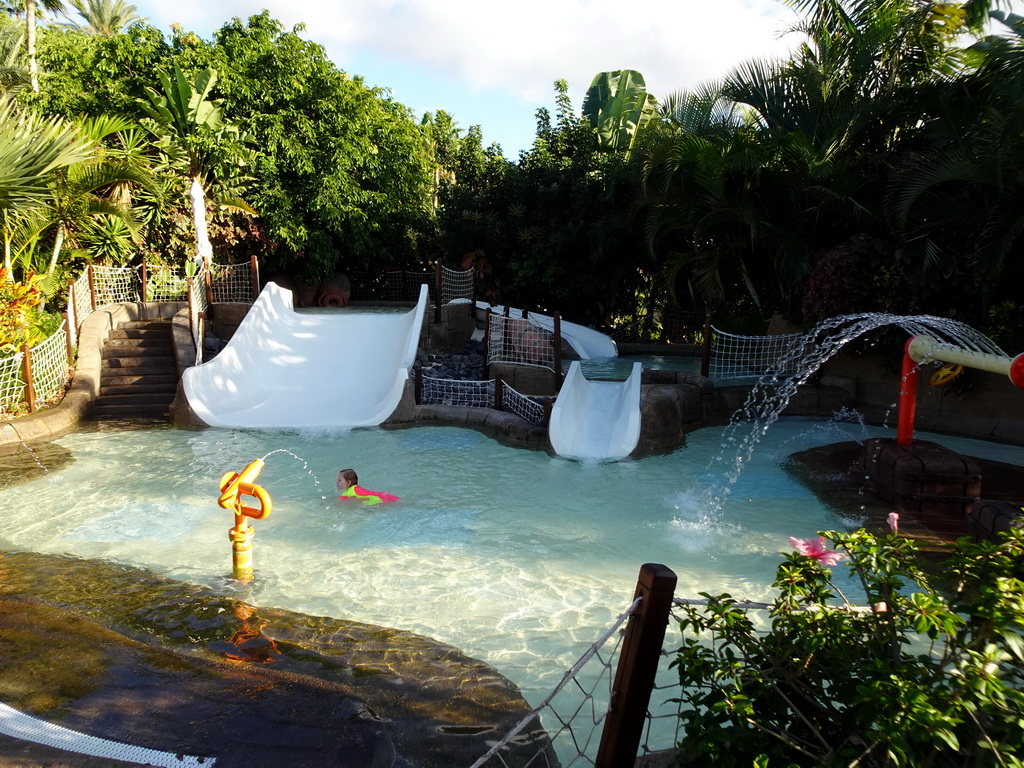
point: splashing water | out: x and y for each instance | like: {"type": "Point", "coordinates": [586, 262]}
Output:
{"type": "Point", "coordinates": [772, 392]}
{"type": "Point", "coordinates": [305, 465]}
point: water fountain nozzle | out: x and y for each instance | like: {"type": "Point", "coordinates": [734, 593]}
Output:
{"type": "Point", "coordinates": [234, 485]}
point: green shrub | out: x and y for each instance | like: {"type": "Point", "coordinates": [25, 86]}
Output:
{"type": "Point", "coordinates": [917, 678]}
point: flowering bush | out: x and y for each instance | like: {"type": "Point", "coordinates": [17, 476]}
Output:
{"type": "Point", "coordinates": [914, 677]}
{"type": "Point", "coordinates": [18, 313]}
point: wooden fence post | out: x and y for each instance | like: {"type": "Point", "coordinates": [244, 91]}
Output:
{"type": "Point", "coordinates": [637, 668]}
{"type": "Point", "coordinates": [499, 393]}
{"type": "Point", "coordinates": [69, 339]}
{"type": "Point", "coordinates": [190, 282]}
{"type": "Point", "coordinates": [209, 284]}
{"type": "Point", "coordinates": [418, 389]}
{"type": "Point", "coordinates": [72, 311]}
{"type": "Point", "coordinates": [254, 273]}
{"type": "Point", "coordinates": [557, 318]}
{"type": "Point", "coordinates": [705, 360]}
{"type": "Point", "coordinates": [26, 374]}
{"type": "Point", "coordinates": [142, 275]}
{"type": "Point", "coordinates": [92, 288]}
{"type": "Point", "coordinates": [437, 292]}
{"type": "Point", "coordinates": [548, 405]}
{"type": "Point", "coordinates": [487, 342]}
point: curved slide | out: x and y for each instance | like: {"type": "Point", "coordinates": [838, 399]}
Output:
{"type": "Point", "coordinates": [587, 342]}
{"type": "Point", "coordinates": [286, 369]}
{"type": "Point", "coordinates": [596, 420]}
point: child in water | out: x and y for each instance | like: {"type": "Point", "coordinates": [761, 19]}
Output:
{"type": "Point", "coordinates": [348, 484]}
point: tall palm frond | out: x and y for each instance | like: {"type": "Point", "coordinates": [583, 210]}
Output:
{"type": "Point", "coordinates": [31, 148]}
{"type": "Point", "coordinates": [103, 17]}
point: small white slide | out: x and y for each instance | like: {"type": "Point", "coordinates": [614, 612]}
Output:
{"type": "Point", "coordinates": [588, 343]}
{"type": "Point", "coordinates": [596, 420]}
{"type": "Point", "coordinates": [288, 369]}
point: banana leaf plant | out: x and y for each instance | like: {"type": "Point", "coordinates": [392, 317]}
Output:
{"type": "Point", "coordinates": [618, 106]}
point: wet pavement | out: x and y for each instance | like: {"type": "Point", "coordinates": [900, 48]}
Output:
{"type": "Point", "coordinates": [125, 655]}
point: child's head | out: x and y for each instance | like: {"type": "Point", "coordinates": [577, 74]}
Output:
{"type": "Point", "coordinates": [347, 478]}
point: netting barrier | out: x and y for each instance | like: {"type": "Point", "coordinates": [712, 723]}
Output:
{"type": "Point", "coordinates": [528, 407]}
{"type": "Point", "coordinates": [571, 715]}
{"type": "Point", "coordinates": [472, 394]}
{"type": "Point", "coordinates": [741, 357]}
{"type": "Point", "coordinates": [518, 341]}
{"type": "Point", "coordinates": [456, 284]}
{"type": "Point", "coordinates": [233, 283]}
{"type": "Point", "coordinates": [12, 385]}
{"type": "Point", "coordinates": [166, 283]}
{"type": "Point", "coordinates": [115, 285]}
{"type": "Point", "coordinates": [50, 369]}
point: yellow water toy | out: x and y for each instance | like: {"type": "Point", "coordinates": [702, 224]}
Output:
{"type": "Point", "coordinates": [946, 373]}
{"type": "Point", "coordinates": [233, 486]}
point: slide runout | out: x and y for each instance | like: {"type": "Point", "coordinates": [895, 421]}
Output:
{"type": "Point", "coordinates": [596, 420]}
{"type": "Point", "coordinates": [288, 369]}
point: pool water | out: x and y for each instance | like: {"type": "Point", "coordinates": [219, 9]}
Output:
{"type": "Point", "coordinates": [519, 558]}
{"type": "Point", "coordinates": [619, 368]}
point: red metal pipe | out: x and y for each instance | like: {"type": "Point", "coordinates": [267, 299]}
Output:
{"type": "Point", "coordinates": [908, 398]}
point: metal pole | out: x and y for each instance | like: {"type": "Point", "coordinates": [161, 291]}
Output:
{"type": "Point", "coordinates": [637, 668]}
{"type": "Point", "coordinates": [908, 398]}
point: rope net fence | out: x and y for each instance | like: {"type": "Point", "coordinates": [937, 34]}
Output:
{"type": "Point", "coordinates": [518, 341]}
{"type": "Point", "coordinates": [165, 283]}
{"type": "Point", "coordinates": [571, 715]}
{"type": "Point", "coordinates": [456, 284]}
{"type": "Point", "coordinates": [233, 283]}
{"type": "Point", "coordinates": [50, 371]}
{"type": "Point", "coordinates": [472, 394]}
{"type": "Point", "coordinates": [97, 286]}
{"type": "Point", "coordinates": [744, 357]}
{"type": "Point", "coordinates": [115, 285]}
{"type": "Point", "coordinates": [528, 407]}
{"type": "Point", "coordinates": [12, 385]}
{"type": "Point", "coordinates": [482, 394]}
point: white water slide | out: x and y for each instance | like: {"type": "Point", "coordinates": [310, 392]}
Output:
{"type": "Point", "coordinates": [288, 369]}
{"type": "Point", "coordinates": [587, 342]}
{"type": "Point", "coordinates": [596, 420]}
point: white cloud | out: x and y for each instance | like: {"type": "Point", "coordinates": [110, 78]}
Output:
{"type": "Point", "coordinates": [522, 47]}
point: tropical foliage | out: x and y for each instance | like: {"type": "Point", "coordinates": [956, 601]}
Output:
{"type": "Point", "coordinates": [912, 676]}
{"type": "Point", "coordinates": [873, 169]}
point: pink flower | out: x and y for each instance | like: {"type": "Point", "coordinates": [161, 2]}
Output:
{"type": "Point", "coordinates": [816, 548]}
{"type": "Point", "coordinates": [893, 519]}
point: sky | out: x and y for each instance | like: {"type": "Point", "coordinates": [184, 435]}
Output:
{"type": "Point", "coordinates": [493, 63]}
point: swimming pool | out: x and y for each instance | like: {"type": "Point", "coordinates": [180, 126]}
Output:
{"type": "Point", "coordinates": [519, 558]}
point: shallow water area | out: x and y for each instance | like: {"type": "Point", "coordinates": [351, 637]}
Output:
{"type": "Point", "coordinates": [517, 557]}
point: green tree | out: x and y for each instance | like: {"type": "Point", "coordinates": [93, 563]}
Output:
{"type": "Point", "coordinates": [342, 180]}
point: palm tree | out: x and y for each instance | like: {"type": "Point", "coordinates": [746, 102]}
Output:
{"type": "Point", "coordinates": [54, 6]}
{"type": "Point", "coordinates": [196, 139]}
{"type": "Point", "coordinates": [104, 17]}
{"type": "Point", "coordinates": [81, 193]}
{"type": "Point", "coordinates": [13, 70]}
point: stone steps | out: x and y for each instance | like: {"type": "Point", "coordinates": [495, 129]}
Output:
{"type": "Point", "coordinates": [138, 377]}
